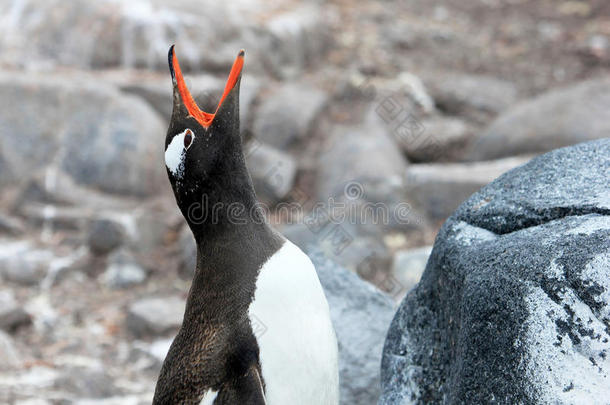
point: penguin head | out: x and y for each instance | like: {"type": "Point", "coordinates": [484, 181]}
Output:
{"type": "Point", "coordinates": [203, 149]}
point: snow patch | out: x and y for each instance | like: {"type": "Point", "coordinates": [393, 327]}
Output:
{"type": "Point", "coordinates": [593, 224]}
{"type": "Point", "coordinates": [561, 370]}
{"type": "Point", "coordinates": [468, 234]}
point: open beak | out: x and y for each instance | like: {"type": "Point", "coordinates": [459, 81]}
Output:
{"type": "Point", "coordinates": [204, 118]}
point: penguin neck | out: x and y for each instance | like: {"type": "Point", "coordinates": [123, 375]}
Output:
{"type": "Point", "coordinates": [224, 204]}
{"type": "Point", "coordinates": [228, 263]}
{"type": "Point", "coordinates": [232, 236]}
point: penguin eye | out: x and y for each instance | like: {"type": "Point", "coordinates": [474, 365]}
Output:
{"type": "Point", "coordinates": [188, 138]}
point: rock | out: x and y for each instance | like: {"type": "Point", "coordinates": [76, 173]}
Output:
{"type": "Point", "coordinates": [149, 226]}
{"type": "Point", "coordinates": [110, 34]}
{"type": "Point", "coordinates": [52, 186]}
{"type": "Point", "coordinates": [365, 155]}
{"type": "Point", "coordinates": [27, 381]}
{"type": "Point", "coordinates": [272, 171]}
{"type": "Point", "coordinates": [409, 265]}
{"type": "Point", "coordinates": [298, 38]}
{"type": "Point", "coordinates": [473, 96]}
{"type": "Point", "coordinates": [90, 131]}
{"type": "Point", "coordinates": [346, 245]}
{"type": "Point", "coordinates": [441, 188]}
{"type": "Point", "coordinates": [187, 250]}
{"type": "Point", "coordinates": [154, 354]}
{"type": "Point", "coordinates": [513, 306]}
{"type": "Point", "coordinates": [12, 315]}
{"type": "Point", "coordinates": [123, 271]}
{"type": "Point", "coordinates": [22, 264]}
{"type": "Point", "coordinates": [360, 183]}
{"type": "Point", "coordinates": [155, 316]}
{"type": "Point", "coordinates": [441, 138]}
{"type": "Point", "coordinates": [287, 115]}
{"type": "Point", "coordinates": [10, 226]}
{"type": "Point", "coordinates": [105, 236]}
{"type": "Point", "coordinates": [360, 314]}
{"type": "Point", "coordinates": [54, 218]}
{"type": "Point", "coordinates": [249, 89]}
{"type": "Point", "coordinates": [89, 382]}
{"type": "Point", "coordinates": [159, 348]}
{"type": "Point", "coordinates": [33, 401]}
{"type": "Point", "coordinates": [117, 400]}
{"type": "Point", "coordinates": [9, 356]}
{"type": "Point", "coordinates": [363, 170]}
{"type": "Point", "coordinates": [558, 118]}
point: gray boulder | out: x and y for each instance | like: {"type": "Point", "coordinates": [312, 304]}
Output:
{"type": "Point", "coordinates": [476, 97]}
{"type": "Point", "coordinates": [561, 117]}
{"type": "Point", "coordinates": [92, 132]}
{"type": "Point", "coordinates": [123, 271]}
{"type": "Point", "coordinates": [106, 34]}
{"type": "Point", "coordinates": [361, 182]}
{"type": "Point", "coordinates": [513, 306]}
{"type": "Point", "coordinates": [155, 316]}
{"type": "Point", "coordinates": [187, 253]}
{"type": "Point", "coordinates": [348, 246]}
{"type": "Point", "coordinates": [24, 264]}
{"type": "Point", "coordinates": [105, 236]}
{"type": "Point", "coordinates": [363, 154]}
{"type": "Point", "coordinates": [9, 356]}
{"type": "Point", "coordinates": [440, 188]}
{"type": "Point", "coordinates": [273, 172]}
{"type": "Point", "coordinates": [442, 138]}
{"type": "Point", "coordinates": [298, 38]}
{"type": "Point", "coordinates": [12, 315]}
{"type": "Point", "coordinates": [87, 382]}
{"type": "Point", "coordinates": [10, 226]}
{"type": "Point", "coordinates": [408, 267]}
{"type": "Point", "coordinates": [360, 314]}
{"type": "Point", "coordinates": [287, 115]}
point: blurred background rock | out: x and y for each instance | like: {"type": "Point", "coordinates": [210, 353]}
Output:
{"type": "Point", "coordinates": [410, 104]}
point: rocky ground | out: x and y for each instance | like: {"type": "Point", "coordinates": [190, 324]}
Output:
{"type": "Point", "coordinates": [398, 111]}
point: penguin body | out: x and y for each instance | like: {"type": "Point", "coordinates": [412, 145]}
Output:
{"type": "Point", "coordinates": [298, 348]}
{"type": "Point", "coordinates": [256, 328]}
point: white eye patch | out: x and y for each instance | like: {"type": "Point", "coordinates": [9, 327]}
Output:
{"type": "Point", "coordinates": [176, 152]}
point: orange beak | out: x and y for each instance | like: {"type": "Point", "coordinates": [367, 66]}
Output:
{"type": "Point", "coordinates": [204, 118]}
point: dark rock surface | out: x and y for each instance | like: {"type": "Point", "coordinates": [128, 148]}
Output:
{"type": "Point", "coordinates": [513, 306]}
{"type": "Point", "coordinates": [360, 314]}
{"type": "Point", "coordinates": [560, 117]}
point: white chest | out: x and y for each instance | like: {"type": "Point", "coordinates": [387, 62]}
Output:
{"type": "Point", "coordinates": [291, 321]}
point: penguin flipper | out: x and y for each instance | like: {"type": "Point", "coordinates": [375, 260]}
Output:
{"type": "Point", "coordinates": [247, 389]}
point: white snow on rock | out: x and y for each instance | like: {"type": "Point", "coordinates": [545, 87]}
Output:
{"type": "Point", "coordinates": [571, 370]}
{"type": "Point", "coordinates": [594, 224]}
{"type": "Point", "coordinates": [468, 234]}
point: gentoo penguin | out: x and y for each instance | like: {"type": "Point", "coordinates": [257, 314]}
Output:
{"type": "Point", "coordinates": [256, 328]}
